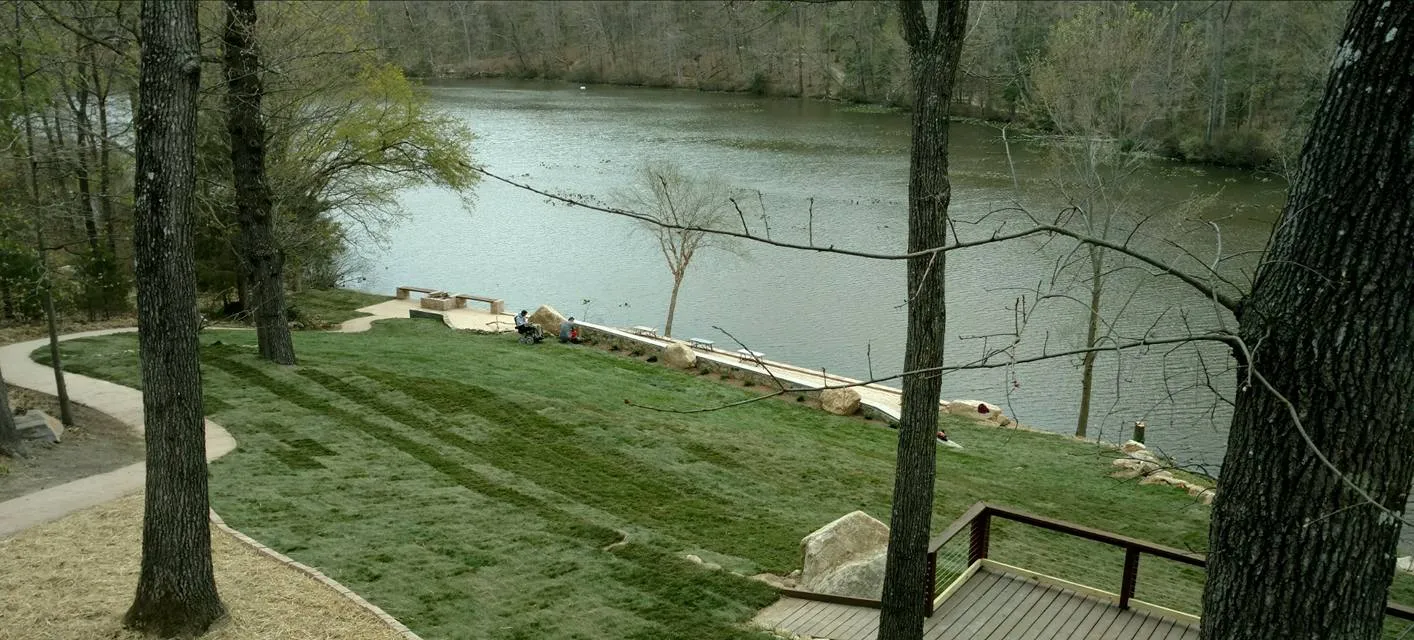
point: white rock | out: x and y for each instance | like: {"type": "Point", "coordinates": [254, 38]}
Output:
{"type": "Point", "coordinates": [859, 579]}
{"type": "Point", "coordinates": [547, 318]}
{"type": "Point", "coordinates": [679, 356]}
{"type": "Point", "coordinates": [1157, 477]}
{"type": "Point", "coordinates": [1132, 446]}
{"type": "Point", "coordinates": [841, 402]}
{"type": "Point", "coordinates": [976, 410]}
{"type": "Point", "coordinates": [850, 539]}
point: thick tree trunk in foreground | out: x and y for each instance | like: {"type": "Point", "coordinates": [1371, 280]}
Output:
{"type": "Point", "coordinates": [176, 592]}
{"type": "Point", "coordinates": [933, 61]}
{"type": "Point", "coordinates": [1295, 553]}
{"type": "Point", "coordinates": [260, 255]}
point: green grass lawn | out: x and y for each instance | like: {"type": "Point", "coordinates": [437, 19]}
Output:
{"type": "Point", "coordinates": [469, 484]}
{"type": "Point", "coordinates": [332, 306]}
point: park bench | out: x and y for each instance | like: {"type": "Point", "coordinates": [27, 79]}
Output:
{"type": "Point", "coordinates": [648, 332]}
{"type": "Point", "coordinates": [498, 306]}
{"type": "Point", "coordinates": [403, 292]}
{"type": "Point", "coordinates": [747, 355]}
{"type": "Point", "coordinates": [700, 343]}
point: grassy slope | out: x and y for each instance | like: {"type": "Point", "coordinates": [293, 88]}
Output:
{"type": "Point", "coordinates": [332, 306]}
{"type": "Point", "coordinates": [468, 483]}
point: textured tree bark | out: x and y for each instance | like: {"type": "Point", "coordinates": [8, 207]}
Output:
{"type": "Point", "coordinates": [933, 61]}
{"type": "Point", "coordinates": [1294, 552]}
{"type": "Point", "coordinates": [10, 443]}
{"type": "Point", "coordinates": [176, 591]}
{"type": "Point", "coordinates": [1087, 365]}
{"type": "Point", "coordinates": [672, 305]}
{"type": "Point", "coordinates": [66, 414]}
{"type": "Point", "coordinates": [260, 254]}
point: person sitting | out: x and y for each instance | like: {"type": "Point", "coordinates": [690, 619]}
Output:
{"type": "Point", "coordinates": [569, 331]}
{"type": "Point", "coordinates": [524, 327]}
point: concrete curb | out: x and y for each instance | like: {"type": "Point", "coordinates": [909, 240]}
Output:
{"type": "Point", "coordinates": [124, 404]}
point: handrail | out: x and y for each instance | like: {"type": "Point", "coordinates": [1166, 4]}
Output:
{"type": "Point", "coordinates": [977, 517]}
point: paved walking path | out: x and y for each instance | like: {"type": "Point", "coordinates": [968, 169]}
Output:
{"type": "Point", "coordinates": [125, 404]}
{"type": "Point", "coordinates": [116, 400]}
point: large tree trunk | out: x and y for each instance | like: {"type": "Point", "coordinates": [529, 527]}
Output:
{"type": "Point", "coordinates": [176, 592]}
{"type": "Point", "coordinates": [10, 443]}
{"type": "Point", "coordinates": [1295, 552]}
{"type": "Point", "coordinates": [933, 61]}
{"type": "Point", "coordinates": [260, 255]}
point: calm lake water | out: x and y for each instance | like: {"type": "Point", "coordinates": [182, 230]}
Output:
{"type": "Point", "coordinates": [819, 310]}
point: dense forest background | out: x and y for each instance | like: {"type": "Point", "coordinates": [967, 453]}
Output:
{"type": "Point", "coordinates": [1234, 81]}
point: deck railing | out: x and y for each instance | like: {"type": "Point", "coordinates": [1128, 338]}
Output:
{"type": "Point", "coordinates": [944, 571]}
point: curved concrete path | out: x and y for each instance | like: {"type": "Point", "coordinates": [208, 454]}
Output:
{"type": "Point", "coordinates": [125, 404]}
{"type": "Point", "coordinates": [116, 400]}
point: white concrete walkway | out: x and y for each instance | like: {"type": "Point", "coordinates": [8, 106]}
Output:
{"type": "Point", "coordinates": [885, 399]}
{"type": "Point", "coordinates": [466, 318]}
{"type": "Point", "coordinates": [116, 400]}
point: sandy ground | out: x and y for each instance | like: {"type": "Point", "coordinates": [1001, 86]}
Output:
{"type": "Point", "coordinates": [74, 578]}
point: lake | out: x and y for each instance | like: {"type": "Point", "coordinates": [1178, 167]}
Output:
{"type": "Point", "coordinates": [838, 174]}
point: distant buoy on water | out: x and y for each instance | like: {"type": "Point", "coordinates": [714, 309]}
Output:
{"type": "Point", "coordinates": [583, 88]}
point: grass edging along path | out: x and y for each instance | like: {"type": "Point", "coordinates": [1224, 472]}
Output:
{"type": "Point", "coordinates": [470, 485]}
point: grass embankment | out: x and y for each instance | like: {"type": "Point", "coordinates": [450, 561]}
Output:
{"type": "Point", "coordinates": [475, 487]}
{"type": "Point", "coordinates": [323, 307]}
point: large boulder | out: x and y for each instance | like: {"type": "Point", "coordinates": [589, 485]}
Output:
{"type": "Point", "coordinates": [859, 579]}
{"type": "Point", "coordinates": [841, 402]}
{"type": "Point", "coordinates": [849, 540]}
{"type": "Point", "coordinates": [679, 356]}
{"type": "Point", "coordinates": [977, 410]}
{"type": "Point", "coordinates": [548, 318]}
{"type": "Point", "coordinates": [39, 426]}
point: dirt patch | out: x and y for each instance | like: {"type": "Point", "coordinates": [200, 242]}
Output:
{"type": "Point", "coordinates": [11, 332]}
{"type": "Point", "coordinates": [74, 578]}
{"type": "Point", "coordinates": [97, 443]}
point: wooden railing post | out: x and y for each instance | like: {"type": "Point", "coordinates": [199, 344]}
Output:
{"type": "Point", "coordinates": [1131, 576]}
{"type": "Point", "coordinates": [981, 537]}
{"type": "Point", "coordinates": [932, 581]}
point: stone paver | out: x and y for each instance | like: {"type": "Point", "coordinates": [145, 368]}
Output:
{"type": "Point", "coordinates": [467, 318]}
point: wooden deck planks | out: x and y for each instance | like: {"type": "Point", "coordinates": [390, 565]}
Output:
{"type": "Point", "coordinates": [991, 605]}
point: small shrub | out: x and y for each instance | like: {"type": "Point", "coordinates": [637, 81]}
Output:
{"type": "Point", "coordinates": [613, 347]}
{"type": "Point", "coordinates": [800, 398]}
{"type": "Point", "coordinates": [726, 376]}
{"type": "Point", "coordinates": [652, 358]}
{"type": "Point", "coordinates": [635, 353]}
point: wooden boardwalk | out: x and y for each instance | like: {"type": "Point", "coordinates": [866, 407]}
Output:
{"type": "Point", "coordinates": [991, 605]}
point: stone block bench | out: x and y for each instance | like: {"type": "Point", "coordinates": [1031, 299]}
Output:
{"type": "Point", "coordinates": [498, 306]}
{"type": "Point", "coordinates": [404, 292]}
